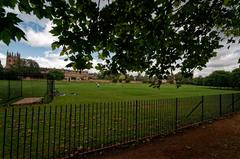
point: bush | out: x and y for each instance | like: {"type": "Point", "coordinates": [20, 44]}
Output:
{"type": "Point", "coordinates": [236, 78]}
{"type": "Point", "coordinates": [178, 85]}
{"type": "Point", "coordinates": [128, 80]}
{"type": "Point", "coordinates": [114, 80]}
{"type": "Point", "coordinates": [145, 81]}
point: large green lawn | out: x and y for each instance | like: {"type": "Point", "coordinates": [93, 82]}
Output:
{"type": "Point", "coordinates": [76, 93]}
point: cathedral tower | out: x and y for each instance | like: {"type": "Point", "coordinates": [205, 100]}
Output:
{"type": "Point", "coordinates": [12, 59]}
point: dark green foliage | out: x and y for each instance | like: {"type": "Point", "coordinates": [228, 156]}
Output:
{"type": "Point", "coordinates": [128, 80]}
{"type": "Point", "coordinates": [236, 77]}
{"type": "Point", "coordinates": [25, 67]}
{"type": "Point", "coordinates": [151, 36]}
{"type": "Point", "coordinates": [1, 67]}
{"type": "Point", "coordinates": [114, 80]}
{"type": "Point", "coordinates": [183, 78]}
{"type": "Point", "coordinates": [219, 79]}
{"type": "Point", "coordinates": [199, 81]}
{"type": "Point", "coordinates": [56, 75]}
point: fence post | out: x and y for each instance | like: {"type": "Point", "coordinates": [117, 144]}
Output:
{"type": "Point", "coordinates": [4, 133]}
{"type": "Point", "coordinates": [21, 87]}
{"type": "Point", "coordinates": [202, 117]}
{"type": "Point", "coordinates": [136, 121]}
{"type": "Point", "coordinates": [176, 117]}
{"type": "Point", "coordinates": [220, 105]}
{"type": "Point", "coordinates": [233, 103]}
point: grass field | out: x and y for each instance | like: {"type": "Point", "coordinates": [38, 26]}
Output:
{"type": "Point", "coordinates": [76, 93]}
{"type": "Point", "coordinates": [59, 130]}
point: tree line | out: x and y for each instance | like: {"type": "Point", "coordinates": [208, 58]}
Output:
{"type": "Point", "coordinates": [219, 78]}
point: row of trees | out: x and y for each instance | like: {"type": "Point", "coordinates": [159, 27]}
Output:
{"type": "Point", "coordinates": [218, 78]}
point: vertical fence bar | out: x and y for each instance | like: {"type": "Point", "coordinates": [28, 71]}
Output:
{"type": "Point", "coordinates": [4, 133]}
{"type": "Point", "coordinates": [11, 139]}
{"type": "Point", "coordinates": [149, 117]}
{"type": "Point", "coordinates": [233, 103]}
{"type": "Point", "coordinates": [60, 132]}
{"type": "Point", "coordinates": [92, 118]}
{"type": "Point", "coordinates": [100, 119]}
{"type": "Point", "coordinates": [111, 118]}
{"type": "Point", "coordinates": [136, 121]}
{"type": "Point", "coordinates": [79, 126]}
{"type": "Point", "coordinates": [38, 120]}
{"type": "Point", "coordinates": [220, 105]}
{"type": "Point", "coordinates": [25, 132]}
{"type": "Point", "coordinates": [43, 138]}
{"type": "Point", "coordinates": [114, 122]}
{"type": "Point", "coordinates": [84, 124]}
{"type": "Point", "coordinates": [140, 119]}
{"type": "Point", "coordinates": [70, 132]}
{"type": "Point", "coordinates": [104, 125]}
{"type": "Point", "coordinates": [88, 122]}
{"type": "Point", "coordinates": [49, 131]}
{"type": "Point", "coordinates": [108, 123]}
{"type": "Point", "coordinates": [96, 131]}
{"type": "Point", "coordinates": [54, 132]}
{"type": "Point", "coordinates": [125, 122]}
{"type": "Point", "coordinates": [158, 118]}
{"type": "Point", "coordinates": [202, 114]}
{"type": "Point", "coordinates": [75, 126]}
{"type": "Point", "coordinates": [119, 123]}
{"type": "Point", "coordinates": [65, 130]}
{"type": "Point", "coordinates": [18, 131]}
{"type": "Point", "coordinates": [31, 132]}
{"type": "Point", "coordinates": [176, 117]}
{"type": "Point", "coordinates": [128, 121]}
{"type": "Point", "coordinates": [144, 118]}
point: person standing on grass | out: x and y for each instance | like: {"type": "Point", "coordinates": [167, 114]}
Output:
{"type": "Point", "coordinates": [97, 84]}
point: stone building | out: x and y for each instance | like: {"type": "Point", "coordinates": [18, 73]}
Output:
{"type": "Point", "coordinates": [13, 59]}
{"type": "Point", "coordinates": [71, 75]}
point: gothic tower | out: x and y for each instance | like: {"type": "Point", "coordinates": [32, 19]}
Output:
{"type": "Point", "coordinates": [12, 59]}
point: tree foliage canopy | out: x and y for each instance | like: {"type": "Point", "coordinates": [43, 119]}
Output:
{"type": "Point", "coordinates": [1, 67]}
{"type": "Point", "coordinates": [219, 79]}
{"type": "Point", "coordinates": [56, 75]}
{"type": "Point", "coordinates": [154, 36]}
{"type": "Point", "coordinates": [236, 77]}
{"type": "Point", "coordinates": [25, 66]}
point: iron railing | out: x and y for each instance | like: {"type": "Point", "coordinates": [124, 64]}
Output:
{"type": "Point", "coordinates": [74, 130]}
{"type": "Point", "coordinates": [18, 88]}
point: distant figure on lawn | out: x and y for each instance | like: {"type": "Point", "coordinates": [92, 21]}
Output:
{"type": "Point", "coordinates": [97, 84]}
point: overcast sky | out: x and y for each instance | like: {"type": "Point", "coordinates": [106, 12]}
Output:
{"type": "Point", "coordinates": [38, 48]}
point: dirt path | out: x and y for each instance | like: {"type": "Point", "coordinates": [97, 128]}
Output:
{"type": "Point", "coordinates": [220, 140]}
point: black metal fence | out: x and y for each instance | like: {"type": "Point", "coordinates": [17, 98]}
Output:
{"type": "Point", "coordinates": [73, 130]}
{"type": "Point", "coordinates": [19, 88]}
{"type": "Point", "coordinates": [10, 89]}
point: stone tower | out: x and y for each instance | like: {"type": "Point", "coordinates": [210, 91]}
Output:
{"type": "Point", "coordinates": [12, 59]}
